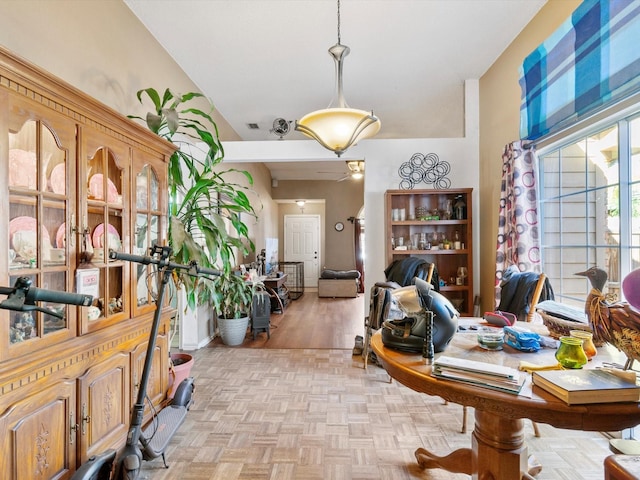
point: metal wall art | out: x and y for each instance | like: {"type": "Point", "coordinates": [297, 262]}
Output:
{"type": "Point", "coordinates": [427, 169]}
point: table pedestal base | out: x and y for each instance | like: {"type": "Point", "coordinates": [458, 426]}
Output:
{"type": "Point", "coordinates": [498, 451]}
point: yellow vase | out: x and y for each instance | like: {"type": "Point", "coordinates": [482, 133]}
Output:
{"type": "Point", "coordinates": [587, 342]}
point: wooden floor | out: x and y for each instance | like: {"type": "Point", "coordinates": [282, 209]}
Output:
{"type": "Point", "coordinates": [301, 406]}
{"type": "Point", "coordinates": [312, 322]}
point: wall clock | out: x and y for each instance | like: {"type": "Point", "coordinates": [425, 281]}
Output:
{"type": "Point", "coordinates": [339, 226]}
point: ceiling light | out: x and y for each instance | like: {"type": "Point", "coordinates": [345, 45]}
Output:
{"type": "Point", "coordinates": [300, 203]}
{"type": "Point", "coordinates": [337, 128]}
{"type": "Point", "coordinates": [356, 169]}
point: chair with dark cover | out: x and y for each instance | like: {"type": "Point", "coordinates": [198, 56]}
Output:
{"type": "Point", "coordinates": [405, 270]}
{"type": "Point", "coordinates": [520, 292]}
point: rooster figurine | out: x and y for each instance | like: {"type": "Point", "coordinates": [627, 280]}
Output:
{"type": "Point", "coordinates": [615, 323]}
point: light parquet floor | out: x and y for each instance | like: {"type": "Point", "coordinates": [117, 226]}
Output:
{"type": "Point", "coordinates": [313, 413]}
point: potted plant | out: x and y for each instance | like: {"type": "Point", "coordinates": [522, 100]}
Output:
{"type": "Point", "coordinates": [205, 208]}
{"type": "Point", "coordinates": [232, 299]}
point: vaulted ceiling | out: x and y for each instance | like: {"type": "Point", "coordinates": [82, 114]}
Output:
{"type": "Point", "coordinates": [260, 60]}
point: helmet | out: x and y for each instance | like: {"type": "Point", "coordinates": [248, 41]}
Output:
{"type": "Point", "coordinates": [408, 334]}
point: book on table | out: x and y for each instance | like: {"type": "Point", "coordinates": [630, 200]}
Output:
{"type": "Point", "coordinates": [489, 375]}
{"type": "Point", "coordinates": [577, 387]}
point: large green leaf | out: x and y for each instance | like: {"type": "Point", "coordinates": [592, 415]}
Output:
{"type": "Point", "coordinates": [205, 223]}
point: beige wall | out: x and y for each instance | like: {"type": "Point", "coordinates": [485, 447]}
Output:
{"type": "Point", "coordinates": [99, 47]}
{"type": "Point", "coordinates": [499, 125]}
{"type": "Point", "coordinates": [341, 201]}
{"type": "Point", "coordinates": [266, 225]}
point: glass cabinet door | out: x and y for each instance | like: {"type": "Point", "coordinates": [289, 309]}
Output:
{"type": "Point", "coordinates": [104, 227]}
{"type": "Point", "coordinates": [40, 162]}
{"type": "Point", "coordinates": [148, 218]}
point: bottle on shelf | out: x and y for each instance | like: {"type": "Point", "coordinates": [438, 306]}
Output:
{"type": "Point", "coordinates": [460, 208]}
{"type": "Point", "coordinates": [456, 241]}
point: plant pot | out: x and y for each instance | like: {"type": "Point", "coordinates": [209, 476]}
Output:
{"type": "Point", "coordinates": [233, 330]}
{"type": "Point", "coordinates": [182, 363]}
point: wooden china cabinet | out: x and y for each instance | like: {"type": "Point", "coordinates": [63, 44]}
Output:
{"type": "Point", "coordinates": [435, 225]}
{"type": "Point", "coordinates": [81, 179]}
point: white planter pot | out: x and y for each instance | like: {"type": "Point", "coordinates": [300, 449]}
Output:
{"type": "Point", "coordinates": [233, 330]}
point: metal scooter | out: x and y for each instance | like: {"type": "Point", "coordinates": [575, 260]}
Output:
{"type": "Point", "coordinates": [150, 443]}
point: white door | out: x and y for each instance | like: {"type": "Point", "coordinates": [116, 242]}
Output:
{"type": "Point", "coordinates": [302, 244]}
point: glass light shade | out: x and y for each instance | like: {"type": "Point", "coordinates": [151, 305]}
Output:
{"type": "Point", "coordinates": [337, 129]}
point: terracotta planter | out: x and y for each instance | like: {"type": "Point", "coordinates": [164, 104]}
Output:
{"type": "Point", "coordinates": [182, 363]}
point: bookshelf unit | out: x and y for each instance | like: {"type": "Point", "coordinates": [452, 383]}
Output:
{"type": "Point", "coordinates": [417, 223]}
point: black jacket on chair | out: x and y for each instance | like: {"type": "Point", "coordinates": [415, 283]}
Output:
{"type": "Point", "coordinates": [404, 271]}
{"type": "Point", "coordinates": [516, 291]}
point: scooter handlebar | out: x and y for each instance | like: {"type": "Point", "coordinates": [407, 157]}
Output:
{"type": "Point", "coordinates": [193, 268]}
{"type": "Point", "coordinates": [34, 294]}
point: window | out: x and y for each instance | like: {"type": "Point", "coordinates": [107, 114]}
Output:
{"type": "Point", "coordinates": [590, 207]}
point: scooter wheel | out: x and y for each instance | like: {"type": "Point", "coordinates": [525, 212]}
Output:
{"type": "Point", "coordinates": [184, 393]}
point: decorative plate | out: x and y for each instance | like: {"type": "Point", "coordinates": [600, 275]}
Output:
{"type": "Point", "coordinates": [61, 239]}
{"type": "Point", "coordinates": [21, 224]}
{"type": "Point", "coordinates": [22, 232]}
{"type": "Point", "coordinates": [113, 237]}
{"type": "Point", "coordinates": [58, 181]}
{"type": "Point", "coordinates": [96, 183]}
{"type": "Point", "coordinates": [22, 169]}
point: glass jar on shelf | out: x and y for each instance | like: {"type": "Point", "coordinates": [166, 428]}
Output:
{"type": "Point", "coordinates": [447, 209]}
{"type": "Point", "coordinates": [422, 243]}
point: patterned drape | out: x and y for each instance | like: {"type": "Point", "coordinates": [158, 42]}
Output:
{"type": "Point", "coordinates": [590, 62]}
{"type": "Point", "coordinates": [518, 235]}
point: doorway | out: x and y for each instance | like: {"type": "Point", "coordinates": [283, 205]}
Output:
{"type": "Point", "coordinates": [302, 244]}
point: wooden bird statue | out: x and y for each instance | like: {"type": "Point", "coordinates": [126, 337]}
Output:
{"type": "Point", "coordinates": [615, 323]}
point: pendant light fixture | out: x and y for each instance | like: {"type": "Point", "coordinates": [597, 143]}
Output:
{"type": "Point", "coordinates": [337, 128]}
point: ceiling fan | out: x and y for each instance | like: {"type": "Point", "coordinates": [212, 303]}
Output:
{"type": "Point", "coordinates": [355, 170]}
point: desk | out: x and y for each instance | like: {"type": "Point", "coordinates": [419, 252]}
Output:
{"type": "Point", "coordinates": [273, 286]}
{"type": "Point", "coordinates": [498, 450]}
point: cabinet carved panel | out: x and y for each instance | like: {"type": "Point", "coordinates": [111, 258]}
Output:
{"type": "Point", "coordinates": [38, 435]}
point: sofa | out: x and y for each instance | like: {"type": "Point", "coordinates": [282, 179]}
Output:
{"type": "Point", "coordinates": [338, 283]}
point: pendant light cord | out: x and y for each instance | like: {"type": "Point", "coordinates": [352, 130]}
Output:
{"type": "Point", "coordinates": [338, 22]}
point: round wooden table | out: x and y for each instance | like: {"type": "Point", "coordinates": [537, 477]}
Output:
{"type": "Point", "coordinates": [498, 450]}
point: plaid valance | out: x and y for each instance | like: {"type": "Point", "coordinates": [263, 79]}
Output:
{"type": "Point", "coordinates": [590, 62]}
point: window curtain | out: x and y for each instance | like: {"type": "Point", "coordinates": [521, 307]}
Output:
{"type": "Point", "coordinates": [358, 232]}
{"type": "Point", "coordinates": [591, 62]}
{"type": "Point", "coordinates": [518, 236]}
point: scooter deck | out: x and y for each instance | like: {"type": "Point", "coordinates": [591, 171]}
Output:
{"type": "Point", "coordinates": [163, 427]}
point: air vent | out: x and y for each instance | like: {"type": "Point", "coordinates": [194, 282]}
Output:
{"type": "Point", "coordinates": [253, 126]}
